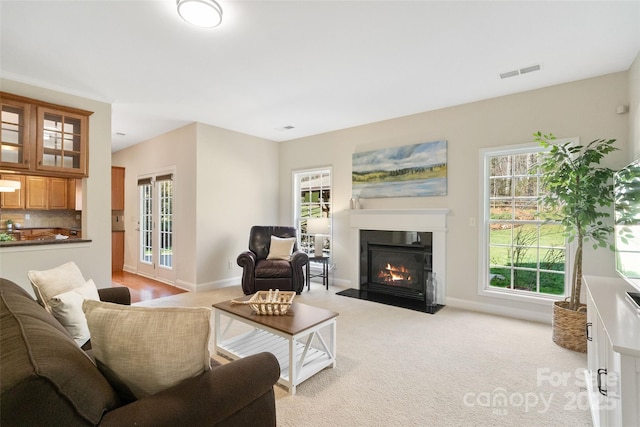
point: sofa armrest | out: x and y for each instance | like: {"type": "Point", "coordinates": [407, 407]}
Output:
{"type": "Point", "coordinates": [116, 294]}
{"type": "Point", "coordinates": [299, 259]}
{"type": "Point", "coordinates": [247, 260]}
{"type": "Point", "coordinates": [237, 393]}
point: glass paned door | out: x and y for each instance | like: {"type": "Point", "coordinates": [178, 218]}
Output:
{"type": "Point", "coordinates": [166, 223]}
{"type": "Point", "coordinates": [156, 255]}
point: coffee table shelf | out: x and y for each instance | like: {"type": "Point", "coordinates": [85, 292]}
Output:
{"type": "Point", "coordinates": [303, 346]}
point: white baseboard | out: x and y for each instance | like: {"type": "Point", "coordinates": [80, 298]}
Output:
{"type": "Point", "coordinates": [533, 315]}
{"type": "Point", "coordinates": [216, 284]}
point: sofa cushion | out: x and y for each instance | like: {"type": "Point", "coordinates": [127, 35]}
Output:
{"type": "Point", "coordinates": [46, 378]}
{"type": "Point", "coordinates": [148, 349]}
{"type": "Point", "coordinates": [67, 308]}
{"type": "Point", "coordinates": [281, 248]}
{"type": "Point", "coordinates": [49, 283]}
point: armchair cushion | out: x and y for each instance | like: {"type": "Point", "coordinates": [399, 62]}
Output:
{"type": "Point", "coordinates": [266, 268]}
{"type": "Point", "coordinates": [144, 350]}
{"type": "Point", "coordinates": [281, 248]}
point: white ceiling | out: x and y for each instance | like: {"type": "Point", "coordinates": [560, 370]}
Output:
{"type": "Point", "coordinates": [315, 65]}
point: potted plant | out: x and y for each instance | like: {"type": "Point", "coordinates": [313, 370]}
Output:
{"type": "Point", "coordinates": [575, 191]}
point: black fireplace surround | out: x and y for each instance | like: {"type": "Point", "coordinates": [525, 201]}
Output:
{"type": "Point", "coordinates": [394, 267]}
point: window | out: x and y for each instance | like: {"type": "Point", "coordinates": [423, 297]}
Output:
{"type": "Point", "coordinates": [522, 254]}
{"type": "Point", "coordinates": [312, 199]}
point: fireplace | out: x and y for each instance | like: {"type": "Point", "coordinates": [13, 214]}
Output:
{"type": "Point", "coordinates": [396, 262]}
{"type": "Point", "coordinates": [416, 235]}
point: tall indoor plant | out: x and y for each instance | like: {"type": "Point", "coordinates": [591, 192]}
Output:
{"type": "Point", "coordinates": [575, 191]}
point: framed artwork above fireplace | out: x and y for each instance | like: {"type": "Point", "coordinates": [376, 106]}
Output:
{"type": "Point", "coordinates": [416, 170]}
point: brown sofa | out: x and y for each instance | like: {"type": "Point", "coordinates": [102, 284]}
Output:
{"type": "Point", "coordinates": [262, 274]}
{"type": "Point", "coordinates": [46, 379]}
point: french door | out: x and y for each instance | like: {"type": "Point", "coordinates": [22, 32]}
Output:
{"type": "Point", "coordinates": [156, 257]}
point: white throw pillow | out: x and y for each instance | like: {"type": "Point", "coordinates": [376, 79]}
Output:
{"type": "Point", "coordinates": [281, 248]}
{"type": "Point", "coordinates": [49, 283]}
{"type": "Point", "coordinates": [149, 349]}
{"type": "Point", "coordinates": [67, 308]}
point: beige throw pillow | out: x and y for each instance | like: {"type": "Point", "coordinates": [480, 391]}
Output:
{"type": "Point", "coordinates": [281, 248]}
{"type": "Point", "coordinates": [67, 308]}
{"type": "Point", "coordinates": [49, 283]}
{"type": "Point", "coordinates": [149, 349]}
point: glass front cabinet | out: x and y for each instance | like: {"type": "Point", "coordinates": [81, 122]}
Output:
{"type": "Point", "coordinates": [14, 149]}
{"type": "Point", "coordinates": [42, 138]}
{"type": "Point", "coordinates": [61, 142]}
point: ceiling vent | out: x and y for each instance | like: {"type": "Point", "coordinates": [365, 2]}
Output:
{"type": "Point", "coordinates": [520, 71]}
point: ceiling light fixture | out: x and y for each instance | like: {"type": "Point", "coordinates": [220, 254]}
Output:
{"type": "Point", "coordinates": [8, 186]}
{"type": "Point", "coordinates": [201, 13]}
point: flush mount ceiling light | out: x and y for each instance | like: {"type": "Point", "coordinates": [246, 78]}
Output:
{"type": "Point", "coordinates": [201, 13]}
{"type": "Point", "coordinates": [8, 186]}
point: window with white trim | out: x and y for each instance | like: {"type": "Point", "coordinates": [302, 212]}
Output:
{"type": "Point", "coordinates": [521, 253]}
{"type": "Point", "coordinates": [312, 199]}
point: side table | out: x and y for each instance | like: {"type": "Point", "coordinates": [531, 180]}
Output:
{"type": "Point", "coordinates": [325, 271]}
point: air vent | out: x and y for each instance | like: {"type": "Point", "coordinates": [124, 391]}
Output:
{"type": "Point", "coordinates": [530, 69]}
{"type": "Point", "coordinates": [509, 74]}
{"type": "Point", "coordinates": [521, 71]}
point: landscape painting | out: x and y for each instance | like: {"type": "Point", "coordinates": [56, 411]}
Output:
{"type": "Point", "coordinates": [417, 170]}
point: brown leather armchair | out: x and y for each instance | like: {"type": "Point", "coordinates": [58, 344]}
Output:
{"type": "Point", "coordinates": [262, 274]}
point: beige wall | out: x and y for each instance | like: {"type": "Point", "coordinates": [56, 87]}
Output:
{"type": "Point", "coordinates": [634, 108]}
{"type": "Point", "coordinates": [237, 188]}
{"type": "Point", "coordinates": [225, 182]}
{"type": "Point", "coordinates": [586, 109]}
{"type": "Point", "coordinates": [94, 259]}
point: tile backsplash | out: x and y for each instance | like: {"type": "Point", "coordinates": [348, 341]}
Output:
{"type": "Point", "coordinates": [41, 218]}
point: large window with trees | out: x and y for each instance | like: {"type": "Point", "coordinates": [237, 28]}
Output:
{"type": "Point", "coordinates": [523, 255]}
{"type": "Point", "coordinates": [312, 199]}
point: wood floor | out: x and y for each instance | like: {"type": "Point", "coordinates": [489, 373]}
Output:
{"type": "Point", "coordinates": [142, 288]}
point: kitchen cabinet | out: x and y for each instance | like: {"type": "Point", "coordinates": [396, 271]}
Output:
{"type": "Point", "coordinates": [45, 192]}
{"type": "Point", "coordinates": [117, 188]}
{"type": "Point", "coordinates": [62, 141]}
{"type": "Point", "coordinates": [117, 250]}
{"type": "Point", "coordinates": [15, 199]}
{"type": "Point", "coordinates": [37, 196]}
{"type": "Point", "coordinates": [44, 138]}
{"type": "Point", "coordinates": [613, 353]}
{"type": "Point", "coordinates": [74, 194]}
{"type": "Point", "coordinates": [15, 148]}
{"type": "Point", "coordinates": [57, 193]}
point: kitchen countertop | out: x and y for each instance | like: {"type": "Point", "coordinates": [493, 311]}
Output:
{"type": "Point", "coordinates": [14, 243]}
{"type": "Point", "coordinates": [44, 239]}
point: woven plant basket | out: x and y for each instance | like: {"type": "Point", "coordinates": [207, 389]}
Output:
{"type": "Point", "coordinates": [569, 327]}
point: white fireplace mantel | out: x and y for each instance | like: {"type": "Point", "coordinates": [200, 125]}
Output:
{"type": "Point", "coordinates": [433, 220]}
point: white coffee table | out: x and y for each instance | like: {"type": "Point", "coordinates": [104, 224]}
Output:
{"type": "Point", "coordinates": [303, 340]}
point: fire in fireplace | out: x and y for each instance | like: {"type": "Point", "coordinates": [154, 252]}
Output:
{"type": "Point", "coordinates": [398, 269]}
{"type": "Point", "coordinates": [395, 274]}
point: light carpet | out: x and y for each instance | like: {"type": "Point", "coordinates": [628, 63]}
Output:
{"type": "Point", "coordinates": [398, 367]}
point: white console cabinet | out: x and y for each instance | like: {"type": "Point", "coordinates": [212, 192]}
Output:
{"type": "Point", "coordinates": [613, 353]}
